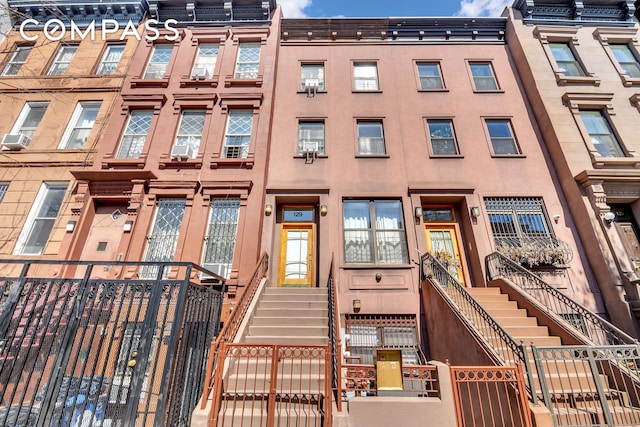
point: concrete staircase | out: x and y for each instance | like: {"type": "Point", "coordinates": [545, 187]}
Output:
{"type": "Point", "coordinates": [284, 317]}
{"type": "Point", "coordinates": [572, 385]}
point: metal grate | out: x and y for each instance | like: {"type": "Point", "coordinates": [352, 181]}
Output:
{"type": "Point", "coordinates": [248, 61]}
{"type": "Point", "coordinates": [517, 218]}
{"type": "Point", "coordinates": [135, 134]}
{"type": "Point", "coordinates": [162, 241]}
{"type": "Point", "coordinates": [370, 331]}
{"type": "Point", "coordinates": [220, 241]}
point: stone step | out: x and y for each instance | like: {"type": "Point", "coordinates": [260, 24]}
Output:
{"type": "Point", "coordinates": [487, 297]}
{"type": "Point", "coordinates": [483, 291]}
{"type": "Point", "coordinates": [551, 341]}
{"type": "Point", "coordinates": [294, 297]}
{"type": "Point", "coordinates": [571, 383]}
{"type": "Point", "coordinates": [526, 331]}
{"type": "Point", "coordinates": [253, 413]}
{"type": "Point", "coordinates": [291, 312]}
{"type": "Point", "coordinates": [499, 305]}
{"type": "Point", "coordinates": [294, 329]}
{"type": "Point", "coordinates": [293, 304]}
{"type": "Point", "coordinates": [499, 313]}
{"type": "Point", "coordinates": [292, 340]}
{"type": "Point", "coordinates": [303, 291]}
{"type": "Point", "coordinates": [517, 321]}
{"type": "Point", "coordinates": [286, 321]}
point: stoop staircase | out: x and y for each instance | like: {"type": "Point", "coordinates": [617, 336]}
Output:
{"type": "Point", "coordinates": [574, 391]}
{"type": "Point", "coordinates": [284, 322]}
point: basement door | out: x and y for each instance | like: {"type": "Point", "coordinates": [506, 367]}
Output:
{"type": "Point", "coordinates": [297, 242]}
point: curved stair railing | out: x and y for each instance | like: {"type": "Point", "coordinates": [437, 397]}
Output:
{"type": "Point", "coordinates": [501, 343]}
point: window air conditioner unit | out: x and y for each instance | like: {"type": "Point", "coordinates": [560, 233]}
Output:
{"type": "Point", "coordinates": [15, 142]}
{"type": "Point", "coordinates": [311, 83]}
{"type": "Point", "coordinates": [181, 152]}
{"type": "Point", "coordinates": [310, 146]}
{"type": "Point", "coordinates": [219, 269]}
{"type": "Point", "coordinates": [199, 73]}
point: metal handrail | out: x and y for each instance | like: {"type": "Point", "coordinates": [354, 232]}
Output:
{"type": "Point", "coordinates": [334, 334]}
{"type": "Point", "coordinates": [231, 326]}
{"type": "Point", "coordinates": [587, 324]}
{"type": "Point", "coordinates": [477, 318]}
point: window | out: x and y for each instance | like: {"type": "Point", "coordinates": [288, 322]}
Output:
{"type": "Point", "coordinates": [17, 60]}
{"type": "Point", "coordinates": [190, 130]}
{"type": "Point", "coordinates": [483, 76]}
{"type": "Point", "coordinates": [311, 136]}
{"type": "Point", "coordinates": [365, 76]}
{"type": "Point", "coordinates": [312, 73]}
{"type": "Point", "coordinates": [430, 77]}
{"type": "Point", "coordinates": [207, 57]}
{"type": "Point", "coordinates": [374, 232]}
{"type": "Point", "coordinates": [370, 137]}
{"type": "Point", "coordinates": [566, 59]}
{"type": "Point", "coordinates": [442, 137]}
{"type": "Point", "coordinates": [248, 61]}
{"type": "Point", "coordinates": [4, 186]}
{"type": "Point", "coordinates": [63, 58]}
{"type": "Point", "coordinates": [238, 135]}
{"type": "Point", "coordinates": [110, 59]}
{"type": "Point", "coordinates": [135, 135]}
{"type": "Point", "coordinates": [82, 120]}
{"type": "Point", "coordinates": [30, 118]}
{"type": "Point", "coordinates": [370, 331]}
{"type": "Point", "coordinates": [220, 240]}
{"type": "Point", "coordinates": [157, 66]}
{"type": "Point", "coordinates": [41, 219]}
{"type": "Point", "coordinates": [518, 221]}
{"type": "Point", "coordinates": [602, 136]}
{"type": "Point", "coordinates": [627, 60]}
{"type": "Point", "coordinates": [163, 238]}
{"type": "Point", "coordinates": [502, 140]}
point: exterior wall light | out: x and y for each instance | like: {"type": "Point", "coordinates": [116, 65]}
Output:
{"type": "Point", "coordinates": [323, 210]}
{"type": "Point", "coordinates": [356, 305]}
{"type": "Point", "coordinates": [128, 226]}
{"type": "Point", "coordinates": [417, 212]}
{"type": "Point", "coordinates": [475, 211]}
{"type": "Point", "coordinates": [71, 225]}
{"type": "Point", "coordinates": [609, 217]}
{"type": "Point", "coordinates": [268, 209]}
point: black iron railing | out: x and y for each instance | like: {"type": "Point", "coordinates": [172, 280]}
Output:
{"type": "Point", "coordinates": [335, 340]}
{"type": "Point", "coordinates": [476, 317]}
{"type": "Point", "coordinates": [592, 328]}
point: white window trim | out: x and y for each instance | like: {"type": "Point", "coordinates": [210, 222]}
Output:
{"type": "Point", "coordinates": [35, 207]}
{"type": "Point", "coordinates": [320, 64]}
{"type": "Point", "coordinates": [373, 63]}
{"type": "Point", "coordinates": [80, 106]}
{"type": "Point", "coordinates": [201, 135]}
{"type": "Point", "coordinates": [238, 62]}
{"type": "Point", "coordinates": [211, 68]}
{"type": "Point", "coordinates": [12, 61]}
{"type": "Point", "coordinates": [150, 61]}
{"type": "Point", "coordinates": [230, 113]}
{"type": "Point", "coordinates": [514, 137]}
{"type": "Point", "coordinates": [58, 61]}
{"type": "Point", "coordinates": [24, 113]}
{"type": "Point", "coordinates": [106, 54]}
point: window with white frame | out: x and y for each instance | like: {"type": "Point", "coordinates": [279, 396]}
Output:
{"type": "Point", "coordinates": [248, 62]}
{"type": "Point", "coordinates": [311, 74]}
{"type": "Point", "coordinates": [80, 125]}
{"type": "Point", "coordinates": [4, 186]}
{"type": "Point", "coordinates": [519, 221]}
{"type": "Point", "coordinates": [207, 57]}
{"type": "Point", "coordinates": [374, 232]}
{"type": "Point", "coordinates": [626, 59]}
{"type": "Point", "coordinates": [135, 134]}
{"type": "Point", "coordinates": [566, 59]}
{"type": "Point", "coordinates": [29, 118]}
{"type": "Point", "coordinates": [159, 61]}
{"type": "Point", "coordinates": [442, 137]}
{"type": "Point", "coordinates": [365, 76]}
{"type": "Point", "coordinates": [110, 59]}
{"type": "Point", "coordinates": [62, 60]}
{"type": "Point", "coordinates": [163, 236]}
{"type": "Point", "coordinates": [602, 137]}
{"type": "Point", "coordinates": [238, 134]}
{"type": "Point", "coordinates": [483, 76]}
{"type": "Point", "coordinates": [42, 216]}
{"type": "Point", "coordinates": [430, 75]}
{"type": "Point", "coordinates": [311, 136]}
{"type": "Point", "coordinates": [190, 130]}
{"type": "Point", "coordinates": [17, 60]}
{"type": "Point", "coordinates": [370, 137]}
{"type": "Point", "coordinates": [220, 240]}
{"type": "Point", "coordinates": [503, 141]}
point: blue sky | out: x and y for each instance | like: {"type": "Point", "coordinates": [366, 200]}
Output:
{"type": "Point", "coordinates": [386, 8]}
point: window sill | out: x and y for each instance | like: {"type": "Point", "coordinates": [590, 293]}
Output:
{"type": "Point", "coordinates": [243, 162]}
{"type": "Point", "coordinates": [488, 91]}
{"type": "Point", "coordinates": [150, 82]}
{"type": "Point", "coordinates": [446, 156]}
{"type": "Point", "coordinates": [303, 156]}
{"type": "Point", "coordinates": [508, 156]}
{"type": "Point", "coordinates": [434, 90]}
{"type": "Point", "coordinates": [188, 82]}
{"type": "Point", "coordinates": [377, 266]}
{"type": "Point", "coordinates": [604, 162]}
{"type": "Point", "coordinates": [372, 156]}
{"type": "Point", "coordinates": [366, 91]}
{"type": "Point", "coordinates": [180, 164]}
{"type": "Point", "coordinates": [233, 82]}
{"type": "Point", "coordinates": [138, 163]}
{"type": "Point", "coordinates": [629, 81]}
{"type": "Point", "coordinates": [563, 80]}
{"type": "Point", "coordinates": [306, 92]}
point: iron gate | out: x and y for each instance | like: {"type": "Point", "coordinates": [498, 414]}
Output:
{"type": "Point", "coordinates": [91, 351]}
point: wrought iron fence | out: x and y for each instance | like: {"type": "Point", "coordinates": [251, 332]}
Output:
{"type": "Point", "coordinates": [75, 346]}
{"type": "Point", "coordinates": [591, 327]}
{"type": "Point", "coordinates": [417, 380]}
{"type": "Point", "coordinates": [334, 338]}
{"type": "Point", "coordinates": [590, 385]}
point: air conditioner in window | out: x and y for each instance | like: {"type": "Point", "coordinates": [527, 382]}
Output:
{"type": "Point", "coordinates": [199, 73]}
{"type": "Point", "coordinates": [311, 83]}
{"type": "Point", "coordinates": [15, 141]}
{"type": "Point", "coordinates": [219, 269]}
{"type": "Point", "coordinates": [181, 152]}
{"type": "Point", "coordinates": [310, 146]}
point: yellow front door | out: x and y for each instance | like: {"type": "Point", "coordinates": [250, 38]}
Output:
{"type": "Point", "coordinates": [442, 242]}
{"type": "Point", "coordinates": [296, 255]}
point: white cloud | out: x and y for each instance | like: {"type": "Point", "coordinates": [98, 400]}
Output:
{"type": "Point", "coordinates": [294, 8]}
{"type": "Point", "coordinates": [482, 7]}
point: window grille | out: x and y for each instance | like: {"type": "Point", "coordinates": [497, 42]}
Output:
{"type": "Point", "coordinates": [135, 134]}
{"type": "Point", "coordinates": [157, 67]}
{"type": "Point", "coordinates": [248, 62]}
{"type": "Point", "coordinates": [238, 134]}
{"type": "Point", "coordinates": [220, 240]}
{"type": "Point", "coordinates": [163, 239]}
{"type": "Point", "coordinates": [371, 331]}
{"type": "Point", "coordinates": [207, 57]}
{"type": "Point", "coordinates": [190, 131]}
